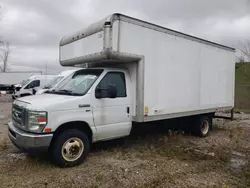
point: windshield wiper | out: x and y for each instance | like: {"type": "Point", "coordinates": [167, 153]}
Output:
{"type": "Point", "coordinates": [67, 92]}
{"type": "Point", "coordinates": [50, 91]}
{"type": "Point", "coordinates": [63, 91]}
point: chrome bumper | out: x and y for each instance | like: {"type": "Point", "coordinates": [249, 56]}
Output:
{"type": "Point", "coordinates": [28, 141]}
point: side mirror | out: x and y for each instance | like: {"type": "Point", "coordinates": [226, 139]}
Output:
{"type": "Point", "coordinates": [33, 91]}
{"type": "Point", "coordinates": [98, 93]}
{"type": "Point", "coordinates": [112, 91]}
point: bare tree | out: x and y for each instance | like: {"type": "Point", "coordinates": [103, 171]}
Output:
{"type": "Point", "coordinates": [245, 51]}
{"type": "Point", "coordinates": [4, 55]}
{"type": "Point", "coordinates": [4, 48]}
{"type": "Point", "coordinates": [241, 59]}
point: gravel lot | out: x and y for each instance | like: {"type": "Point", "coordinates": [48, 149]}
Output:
{"type": "Point", "coordinates": [152, 156]}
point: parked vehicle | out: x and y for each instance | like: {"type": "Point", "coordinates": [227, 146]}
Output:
{"type": "Point", "coordinates": [31, 85]}
{"type": "Point", "coordinates": [137, 72]}
{"type": "Point", "coordinates": [56, 81]}
{"type": "Point", "coordinates": [10, 80]}
{"type": "Point", "coordinates": [7, 88]}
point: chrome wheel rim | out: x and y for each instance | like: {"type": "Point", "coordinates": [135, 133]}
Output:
{"type": "Point", "coordinates": [205, 127]}
{"type": "Point", "coordinates": [72, 149]}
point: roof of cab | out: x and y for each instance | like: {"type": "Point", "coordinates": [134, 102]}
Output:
{"type": "Point", "coordinates": [41, 76]}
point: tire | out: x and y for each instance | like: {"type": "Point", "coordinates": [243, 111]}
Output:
{"type": "Point", "coordinates": [68, 142]}
{"type": "Point", "coordinates": [203, 125]}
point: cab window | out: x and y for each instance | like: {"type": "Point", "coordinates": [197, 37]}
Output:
{"type": "Point", "coordinates": [114, 78]}
{"type": "Point", "coordinates": [34, 83]}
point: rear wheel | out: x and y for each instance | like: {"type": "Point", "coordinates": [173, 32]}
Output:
{"type": "Point", "coordinates": [70, 148]}
{"type": "Point", "coordinates": [202, 126]}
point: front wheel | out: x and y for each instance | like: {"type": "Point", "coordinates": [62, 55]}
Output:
{"type": "Point", "coordinates": [70, 148]}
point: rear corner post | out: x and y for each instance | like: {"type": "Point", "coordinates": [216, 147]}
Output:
{"type": "Point", "coordinates": [140, 90]}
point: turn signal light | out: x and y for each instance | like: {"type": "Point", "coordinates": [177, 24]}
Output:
{"type": "Point", "coordinates": [47, 130]}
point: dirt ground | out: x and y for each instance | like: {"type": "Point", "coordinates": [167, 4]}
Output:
{"type": "Point", "coordinates": [152, 156]}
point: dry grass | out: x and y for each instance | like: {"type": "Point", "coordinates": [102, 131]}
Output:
{"type": "Point", "coordinates": [4, 144]}
{"type": "Point", "coordinates": [152, 156]}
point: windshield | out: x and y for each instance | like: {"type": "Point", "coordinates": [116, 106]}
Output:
{"type": "Point", "coordinates": [53, 82]}
{"type": "Point", "coordinates": [79, 83]}
{"type": "Point", "coordinates": [24, 82]}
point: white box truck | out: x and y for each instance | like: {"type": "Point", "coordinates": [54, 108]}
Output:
{"type": "Point", "coordinates": [137, 72]}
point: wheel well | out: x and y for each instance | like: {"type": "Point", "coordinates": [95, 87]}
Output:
{"type": "Point", "coordinates": [79, 125]}
{"type": "Point", "coordinates": [209, 115]}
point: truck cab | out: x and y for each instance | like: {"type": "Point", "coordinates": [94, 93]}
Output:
{"type": "Point", "coordinates": [97, 101]}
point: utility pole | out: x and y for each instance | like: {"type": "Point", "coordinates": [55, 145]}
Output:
{"type": "Point", "coordinates": [46, 67]}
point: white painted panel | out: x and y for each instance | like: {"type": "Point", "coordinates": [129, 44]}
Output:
{"type": "Point", "coordinates": [180, 75]}
{"type": "Point", "coordinates": [115, 35]}
{"type": "Point", "coordinates": [85, 46]}
{"type": "Point", "coordinates": [131, 68]}
{"type": "Point", "coordinates": [217, 78]}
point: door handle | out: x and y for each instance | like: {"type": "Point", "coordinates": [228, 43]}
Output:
{"type": "Point", "coordinates": [128, 110]}
{"type": "Point", "coordinates": [83, 105]}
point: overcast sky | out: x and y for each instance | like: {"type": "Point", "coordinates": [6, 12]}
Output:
{"type": "Point", "coordinates": [35, 27]}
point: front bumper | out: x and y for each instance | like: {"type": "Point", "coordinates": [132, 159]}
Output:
{"type": "Point", "coordinates": [29, 141]}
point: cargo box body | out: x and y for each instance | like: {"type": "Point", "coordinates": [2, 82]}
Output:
{"type": "Point", "coordinates": [172, 74]}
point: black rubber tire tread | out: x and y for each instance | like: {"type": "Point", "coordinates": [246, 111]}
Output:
{"type": "Point", "coordinates": [198, 125]}
{"type": "Point", "coordinates": [58, 142]}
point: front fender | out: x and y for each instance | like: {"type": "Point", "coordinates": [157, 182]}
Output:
{"type": "Point", "coordinates": [57, 118]}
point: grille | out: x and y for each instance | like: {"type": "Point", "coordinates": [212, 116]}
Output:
{"type": "Point", "coordinates": [19, 116]}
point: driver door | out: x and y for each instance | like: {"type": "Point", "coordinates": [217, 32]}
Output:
{"type": "Point", "coordinates": [112, 116]}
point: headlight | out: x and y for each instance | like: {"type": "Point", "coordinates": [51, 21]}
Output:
{"type": "Point", "coordinates": [37, 121]}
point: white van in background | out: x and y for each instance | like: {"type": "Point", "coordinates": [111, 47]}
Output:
{"type": "Point", "coordinates": [31, 85]}
{"type": "Point", "coordinates": [57, 80]}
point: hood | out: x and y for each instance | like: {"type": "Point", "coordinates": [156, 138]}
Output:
{"type": "Point", "coordinates": [53, 102]}
{"type": "Point", "coordinates": [17, 85]}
